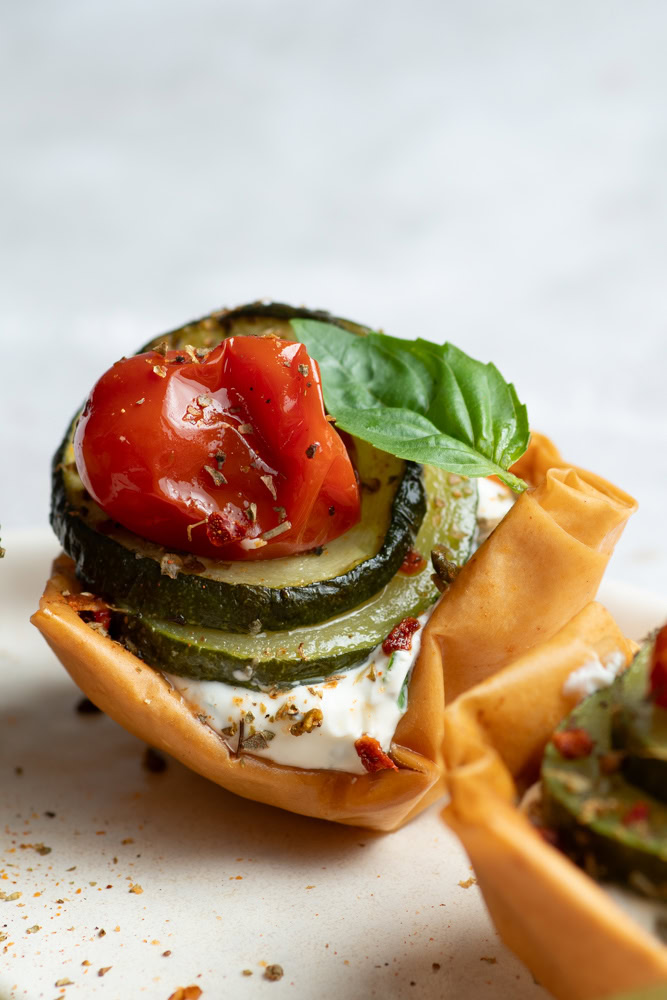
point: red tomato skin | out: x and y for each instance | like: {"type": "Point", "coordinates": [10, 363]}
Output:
{"type": "Point", "coordinates": [165, 441]}
{"type": "Point", "coordinates": [658, 678]}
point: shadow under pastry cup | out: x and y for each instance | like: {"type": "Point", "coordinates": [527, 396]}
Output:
{"type": "Point", "coordinates": [541, 565]}
{"type": "Point", "coordinates": [576, 941]}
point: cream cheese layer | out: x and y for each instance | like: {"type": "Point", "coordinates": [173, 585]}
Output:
{"type": "Point", "coordinates": [311, 725]}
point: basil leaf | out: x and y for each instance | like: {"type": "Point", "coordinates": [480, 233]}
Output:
{"type": "Point", "coordinates": [420, 401]}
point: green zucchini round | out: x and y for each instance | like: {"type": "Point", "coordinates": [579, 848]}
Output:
{"type": "Point", "coordinates": [288, 657]}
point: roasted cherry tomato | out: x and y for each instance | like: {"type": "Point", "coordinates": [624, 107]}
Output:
{"type": "Point", "coordinates": [659, 669]}
{"type": "Point", "coordinates": [225, 454]}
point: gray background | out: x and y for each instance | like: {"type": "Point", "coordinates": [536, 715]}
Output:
{"type": "Point", "coordinates": [492, 173]}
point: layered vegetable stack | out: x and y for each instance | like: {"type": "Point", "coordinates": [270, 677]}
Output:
{"type": "Point", "coordinates": [234, 533]}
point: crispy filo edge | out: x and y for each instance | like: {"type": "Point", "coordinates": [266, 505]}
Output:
{"type": "Point", "coordinates": [576, 941]}
{"type": "Point", "coordinates": [541, 565]}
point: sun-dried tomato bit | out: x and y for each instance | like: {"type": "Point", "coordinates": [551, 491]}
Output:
{"type": "Point", "coordinates": [637, 813]}
{"type": "Point", "coordinates": [413, 563]}
{"type": "Point", "coordinates": [401, 635]}
{"type": "Point", "coordinates": [572, 743]}
{"type": "Point", "coordinates": [222, 528]}
{"type": "Point", "coordinates": [372, 755]}
{"type": "Point", "coordinates": [90, 609]}
{"type": "Point", "coordinates": [658, 682]}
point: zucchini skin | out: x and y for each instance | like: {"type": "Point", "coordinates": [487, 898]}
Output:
{"type": "Point", "coordinates": [211, 329]}
{"type": "Point", "coordinates": [108, 568]}
{"type": "Point", "coordinates": [157, 645]}
{"type": "Point", "coordinates": [588, 806]}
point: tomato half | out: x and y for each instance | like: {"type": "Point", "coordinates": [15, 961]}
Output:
{"type": "Point", "coordinates": [228, 454]}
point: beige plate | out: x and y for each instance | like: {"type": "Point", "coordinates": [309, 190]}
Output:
{"type": "Point", "coordinates": [227, 884]}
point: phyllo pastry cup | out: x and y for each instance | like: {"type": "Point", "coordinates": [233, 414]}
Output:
{"type": "Point", "coordinates": [576, 941]}
{"type": "Point", "coordinates": [540, 566]}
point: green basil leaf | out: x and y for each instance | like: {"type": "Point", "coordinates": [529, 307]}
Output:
{"type": "Point", "coordinates": [421, 401]}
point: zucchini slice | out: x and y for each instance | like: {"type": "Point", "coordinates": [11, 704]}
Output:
{"type": "Point", "coordinates": [311, 653]}
{"type": "Point", "coordinates": [297, 590]}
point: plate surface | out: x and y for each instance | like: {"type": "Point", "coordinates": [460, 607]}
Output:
{"type": "Point", "coordinates": [226, 885]}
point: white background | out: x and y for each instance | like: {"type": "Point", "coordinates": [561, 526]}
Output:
{"type": "Point", "coordinates": [492, 173]}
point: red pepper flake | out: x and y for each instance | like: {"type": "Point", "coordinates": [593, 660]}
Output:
{"type": "Point", "coordinates": [221, 528]}
{"type": "Point", "coordinates": [638, 813]}
{"type": "Point", "coordinates": [401, 635]}
{"type": "Point", "coordinates": [372, 755]}
{"type": "Point", "coordinates": [413, 563]}
{"type": "Point", "coordinates": [186, 993]}
{"type": "Point", "coordinates": [102, 618]}
{"type": "Point", "coordinates": [572, 743]}
{"type": "Point", "coordinates": [658, 682]}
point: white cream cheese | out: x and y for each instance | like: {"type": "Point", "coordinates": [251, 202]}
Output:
{"type": "Point", "coordinates": [495, 500]}
{"type": "Point", "coordinates": [594, 675]}
{"type": "Point", "coordinates": [365, 700]}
